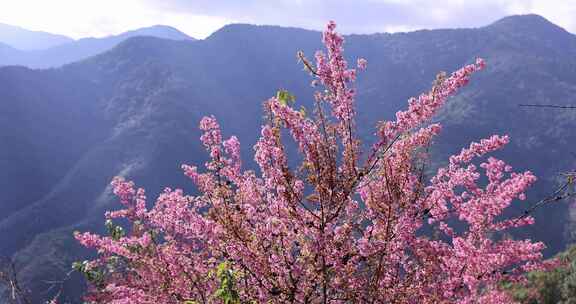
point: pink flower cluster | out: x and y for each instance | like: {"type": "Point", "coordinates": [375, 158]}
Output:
{"type": "Point", "coordinates": [334, 229]}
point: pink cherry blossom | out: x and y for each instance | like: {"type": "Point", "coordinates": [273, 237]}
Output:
{"type": "Point", "coordinates": [345, 226]}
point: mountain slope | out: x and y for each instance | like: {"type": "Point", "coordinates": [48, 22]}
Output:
{"type": "Point", "coordinates": [134, 111]}
{"type": "Point", "coordinates": [83, 48]}
{"type": "Point", "coordinates": [9, 54]}
{"type": "Point", "coordinates": [159, 31]}
{"type": "Point", "coordinates": [27, 40]}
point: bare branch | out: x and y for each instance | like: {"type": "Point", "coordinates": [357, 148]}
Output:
{"type": "Point", "coordinates": [547, 106]}
{"type": "Point", "coordinates": [9, 278]}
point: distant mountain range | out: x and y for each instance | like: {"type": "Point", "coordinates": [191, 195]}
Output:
{"type": "Point", "coordinates": [134, 111]}
{"type": "Point", "coordinates": [59, 51]}
{"type": "Point", "coordinates": [26, 40]}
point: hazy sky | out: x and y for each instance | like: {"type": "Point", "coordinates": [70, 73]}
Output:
{"type": "Point", "coordinates": [199, 18]}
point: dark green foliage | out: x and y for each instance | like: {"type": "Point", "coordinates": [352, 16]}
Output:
{"type": "Point", "coordinates": [550, 287]}
{"type": "Point", "coordinates": [115, 232]}
{"type": "Point", "coordinates": [227, 290]}
{"type": "Point", "coordinates": [94, 276]}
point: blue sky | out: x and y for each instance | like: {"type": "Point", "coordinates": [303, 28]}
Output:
{"type": "Point", "coordinates": [199, 18]}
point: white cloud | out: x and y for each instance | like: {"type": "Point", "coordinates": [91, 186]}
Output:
{"type": "Point", "coordinates": [82, 18]}
{"type": "Point", "coordinates": [562, 13]}
{"type": "Point", "coordinates": [199, 18]}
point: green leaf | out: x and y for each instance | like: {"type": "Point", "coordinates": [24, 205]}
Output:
{"type": "Point", "coordinates": [303, 111]}
{"type": "Point", "coordinates": [115, 232]}
{"type": "Point", "coordinates": [227, 289]}
{"type": "Point", "coordinates": [285, 98]}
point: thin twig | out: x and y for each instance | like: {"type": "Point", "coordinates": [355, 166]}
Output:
{"type": "Point", "coordinates": [9, 277]}
{"type": "Point", "coordinates": [547, 106]}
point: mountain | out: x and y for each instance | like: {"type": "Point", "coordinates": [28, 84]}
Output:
{"type": "Point", "coordinates": [159, 31]}
{"type": "Point", "coordinates": [8, 53]}
{"type": "Point", "coordinates": [27, 40]}
{"type": "Point", "coordinates": [83, 48]}
{"type": "Point", "coordinates": [134, 111]}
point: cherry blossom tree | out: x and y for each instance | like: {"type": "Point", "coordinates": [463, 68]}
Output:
{"type": "Point", "coordinates": [347, 225]}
